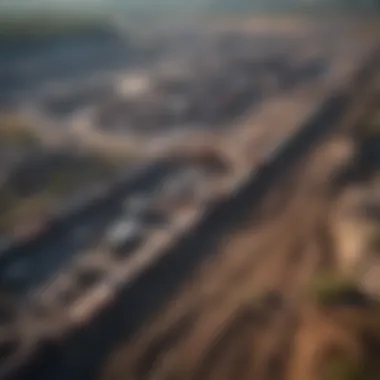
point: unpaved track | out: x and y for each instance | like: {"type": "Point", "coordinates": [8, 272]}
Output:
{"type": "Point", "coordinates": [212, 329]}
{"type": "Point", "coordinates": [216, 327]}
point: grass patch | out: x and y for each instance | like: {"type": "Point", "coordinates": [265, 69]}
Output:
{"type": "Point", "coordinates": [47, 24]}
{"type": "Point", "coordinates": [372, 127]}
{"type": "Point", "coordinates": [374, 241]}
{"type": "Point", "coordinates": [41, 178]}
{"type": "Point", "coordinates": [15, 132]}
{"type": "Point", "coordinates": [345, 369]}
{"type": "Point", "coordinates": [25, 212]}
{"type": "Point", "coordinates": [36, 187]}
{"type": "Point", "coordinates": [329, 290]}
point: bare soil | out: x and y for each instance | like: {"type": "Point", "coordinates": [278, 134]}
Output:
{"type": "Point", "coordinates": [238, 316]}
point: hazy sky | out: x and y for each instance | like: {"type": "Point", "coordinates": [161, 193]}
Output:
{"type": "Point", "coordinates": [87, 3]}
{"type": "Point", "coordinates": [41, 4]}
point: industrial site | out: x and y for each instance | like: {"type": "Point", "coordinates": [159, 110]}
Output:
{"type": "Point", "coordinates": [166, 208]}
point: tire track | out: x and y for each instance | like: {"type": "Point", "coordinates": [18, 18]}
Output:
{"type": "Point", "coordinates": [276, 342]}
{"type": "Point", "coordinates": [221, 319]}
{"type": "Point", "coordinates": [234, 269]}
{"type": "Point", "coordinates": [279, 257]}
{"type": "Point", "coordinates": [229, 314]}
{"type": "Point", "coordinates": [243, 273]}
{"type": "Point", "coordinates": [277, 339]}
{"type": "Point", "coordinates": [221, 338]}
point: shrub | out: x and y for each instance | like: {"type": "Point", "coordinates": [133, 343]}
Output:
{"type": "Point", "coordinates": [334, 291]}
{"type": "Point", "coordinates": [374, 242]}
{"type": "Point", "coordinates": [14, 131]}
{"type": "Point", "coordinates": [372, 127]}
{"type": "Point", "coordinates": [345, 369]}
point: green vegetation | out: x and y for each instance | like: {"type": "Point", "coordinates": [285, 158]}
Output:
{"type": "Point", "coordinates": [73, 175]}
{"type": "Point", "coordinates": [29, 26]}
{"type": "Point", "coordinates": [372, 127]}
{"type": "Point", "coordinates": [374, 241]}
{"type": "Point", "coordinates": [32, 191]}
{"type": "Point", "coordinates": [330, 290]}
{"type": "Point", "coordinates": [345, 369]}
{"type": "Point", "coordinates": [23, 212]}
{"type": "Point", "coordinates": [44, 178]}
{"type": "Point", "coordinates": [15, 132]}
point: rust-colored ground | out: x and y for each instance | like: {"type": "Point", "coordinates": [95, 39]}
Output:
{"type": "Point", "coordinates": [220, 326]}
{"type": "Point", "coordinates": [242, 315]}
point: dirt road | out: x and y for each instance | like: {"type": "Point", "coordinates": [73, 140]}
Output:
{"type": "Point", "coordinates": [218, 321]}
{"type": "Point", "coordinates": [236, 318]}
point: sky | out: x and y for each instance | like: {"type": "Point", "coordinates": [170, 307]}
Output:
{"type": "Point", "coordinates": [95, 5]}
{"type": "Point", "coordinates": [112, 5]}
{"type": "Point", "coordinates": [54, 4]}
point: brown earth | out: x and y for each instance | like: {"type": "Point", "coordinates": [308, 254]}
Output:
{"type": "Point", "coordinates": [244, 315]}
{"type": "Point", "coordinates": [223, 324]}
